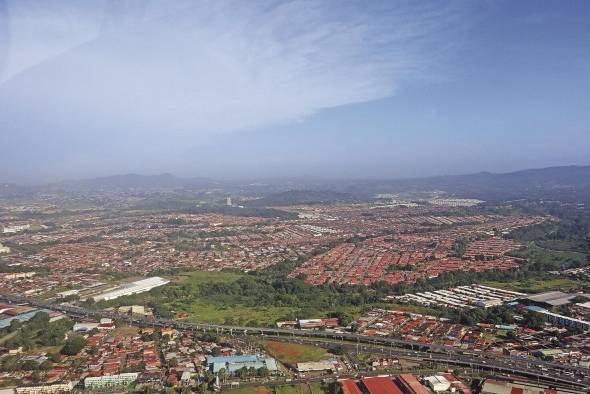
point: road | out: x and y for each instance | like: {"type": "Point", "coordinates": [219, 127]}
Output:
{"type": "Point", "coordinates": [532, 368]}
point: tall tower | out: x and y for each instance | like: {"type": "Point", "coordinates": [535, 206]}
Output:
{"type": "Point", "coordinates": [228, 201]}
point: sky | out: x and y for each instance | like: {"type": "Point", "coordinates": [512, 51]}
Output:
{"type": "Point", "coordinates": [257, 89]}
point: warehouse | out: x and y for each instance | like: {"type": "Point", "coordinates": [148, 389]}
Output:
{"type": "Point", "coordinates": [560, 320]}
{"type": "Point", "coordinates": [381, 385]}
{"type": "Point", "coordinates": [463, 297]}
{"type": "Point", "coordinates": [314, 366]}
{"type": "Point", "coordinates": [437, 383]}
{"type": "Point", "coordinates": [411, 385]}
{"type": "Point", "coordinates": [348, 386]}
{"type": "Point", "coordinates": [550, 299]}
{"type": "Point", "coordinates": [233, 364]}
{"type": "Point", "coordinates": [140, 286]}
{"type": "Point", "coordinates": [499, 386]}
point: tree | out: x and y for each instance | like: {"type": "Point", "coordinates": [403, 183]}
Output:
{"type": "Point", "coordinates": [337, 350]}
{"type": "Point", "coordinates": [251, 371]}
{"type": "Point", "coordinates": [263, 372]}
{"type": "Point", "coordinates": [243, 372]}
{"type": "Point", "coordinates": [30, 365]}
{"type": "Point", "coordinates": [580, 299]}
{"type": "Point", "coordinates": [209, 377]}
{"type": "Point", "coordinates": [222, 373]}
{"type": "Point", "coordinates": [534, 320]}
{"type": "Point", "coordinates": [55, 357]}
{"type": "Point", "coordinates": [73, 345]}
{"type": "Point", "coordinates": [15, 325]}
{"type": "Point", "coordinates": [9, 364]}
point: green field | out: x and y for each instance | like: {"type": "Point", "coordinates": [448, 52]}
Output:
{"type": "Point", "coordinates": [209, 310]}
{"type": "Point", "coordinates": [537, 285]}
{"type": "Point", "coordinates": [235, 314]}
{"type": "Point", "coordinates": [233, 297]}
{"type": "Point", "coordinates": [249, 390]}
{"type": "Point", "coordinates": [552, 257]}
{"type": "Point", "coordinates": [313, 388]}
{"type": "Point", "coordinates": [293, 353]}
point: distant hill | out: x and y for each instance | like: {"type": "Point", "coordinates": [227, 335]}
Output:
{"type": "Point", "coordinates": [135, 181]}
{"type": "Point", "coordinates": [293, 197]}
{"type": "Point", "coordinates": [569, 183]}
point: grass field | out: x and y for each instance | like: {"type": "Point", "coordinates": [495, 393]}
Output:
{"type": "Point", "coordinates": [550, 256]}
{"type": "Point", "coordinates": [537, 285]}
{"type": "Point", "coordinates": [292, 353]}
{"type": "Point", "coordinates": [221, 310]}
{"type": "Point", "coordinates": [249, 390]}
{"type": "Point", "coordinates": [125, 331]}
{"type": "Point", "coordinates": [238, 314]}
{"type": "Point", "coordinates": [314, 388]}
{"type": "Point", "coordinates": [204, 310]}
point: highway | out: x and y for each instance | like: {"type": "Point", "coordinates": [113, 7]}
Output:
{"type": "Point", "coordinates": [558, 373]}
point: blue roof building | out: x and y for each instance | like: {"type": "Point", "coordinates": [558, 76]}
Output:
{"type": "Point", "coordinates": [22, 317]}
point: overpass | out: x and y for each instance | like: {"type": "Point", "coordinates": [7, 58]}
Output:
{"type": "Point", "coordinates": [570, 375]}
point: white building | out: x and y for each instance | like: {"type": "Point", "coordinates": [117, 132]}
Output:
{"type": "Point", "coordinates": [16, 229]}
{"type": "Point", "coordinates": [437, 383]}
{"type": "Point", "coordinates": [19, 275]}
{"type": "Point", "coordinates": [4, 249]}
{"type": "Point", "coordinates": [122, 379]}
{"type": "Point", "coordinates": [140, 286]}
{"type": "Point", "coordinates": [84, 327]}
{"type": "Point", "coordinates": [47, 389]}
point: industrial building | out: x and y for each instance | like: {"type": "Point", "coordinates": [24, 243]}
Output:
{"type": "Point", "coordinates": [551, 299]}
{"type": "Point", "coordinates": [381, 385]}
{"type": "Point", "coordinates": [437, 383]}
{"type": "Point", "coordinates": [499, 386]}
{"type": "Point", "coordinates": [349, 386]}
{"type": "Point", "coordinates": [410, 385]}
{"type": "Point", "coordinates": [22, 315]}
{"type": "Point", "coordinates": [136, 287]}
{"type": "Point", "coordinates": [463, 297]}
{"type": "Point", "coordinates": [561, 320]}
{"type": "Point", "coordinates": [15, 229]}
{"type": "Point", "coordinates": [315, 366]}
{"type": "Point", "coordinates": [233, 364]}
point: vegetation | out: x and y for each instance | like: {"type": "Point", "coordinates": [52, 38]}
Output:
{"type": "Point", "coordinates": [73, 345]}
{"type": "Point", "coordinates": [495, 315]}
{"type": "Point", "coordinates": [38, 331]}
{"type": "Point", "coordinates": [303, 388]}
{"type": "Point", "coordinates": [538, 285]}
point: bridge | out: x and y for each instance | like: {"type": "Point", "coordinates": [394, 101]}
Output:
{"type": "Point", "coordinates": [552, 372]}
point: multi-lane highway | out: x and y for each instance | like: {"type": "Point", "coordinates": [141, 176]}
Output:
{"type": "Point", "coordinates": [567, 374]}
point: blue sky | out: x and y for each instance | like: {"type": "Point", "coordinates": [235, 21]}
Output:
{"type": "Point", "coordinates": [263, 89]}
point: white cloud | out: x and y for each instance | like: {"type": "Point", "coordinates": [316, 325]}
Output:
{"type": "Point", "coordinates": [185, 69]}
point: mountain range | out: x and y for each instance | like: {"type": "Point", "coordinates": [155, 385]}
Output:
{"type": "Point", "coordinates": [570, 182]}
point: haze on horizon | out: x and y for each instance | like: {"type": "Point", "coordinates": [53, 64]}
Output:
{"type": "Point", "coordinates": [235, 89]}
